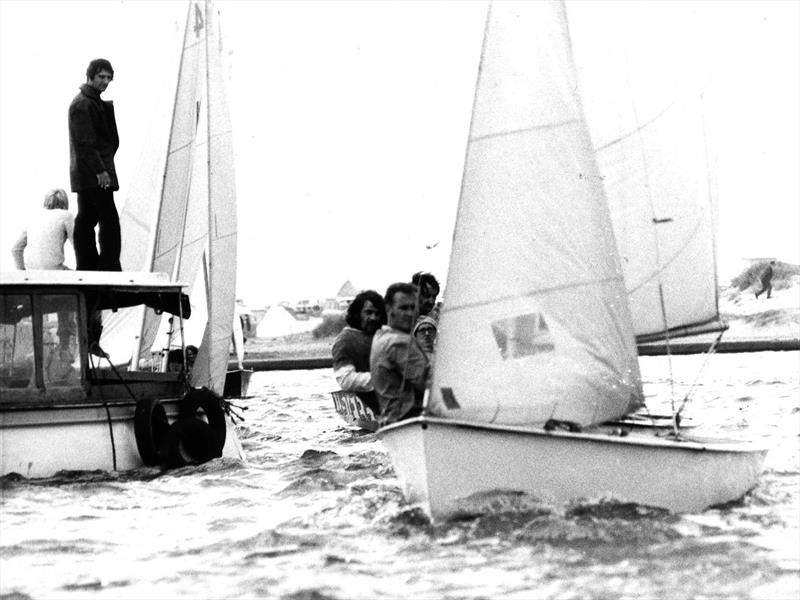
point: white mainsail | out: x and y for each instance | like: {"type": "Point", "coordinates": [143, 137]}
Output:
{"type": "Point", "coordinates": [642, 96]}
{"type": "Point", "coordinates": [536, 323]}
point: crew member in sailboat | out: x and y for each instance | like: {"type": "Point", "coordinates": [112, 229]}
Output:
{"type": "Point", "coordinates": [365, 315]}
{"type": "Point", "coordinates": [398, 365]}
{"type": "Point", "coordinates": [425, 333]}
{"type": "Point", "coordinates": [93, 142]}
{"type": "Point", "coordinates": [428, 288]}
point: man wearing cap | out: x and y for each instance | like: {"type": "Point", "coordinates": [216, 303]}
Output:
{"type": "Point", "coordinates": [425, 334]}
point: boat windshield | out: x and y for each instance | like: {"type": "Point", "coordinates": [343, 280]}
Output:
{"type": "Point", "coordinates": [60, 356]}
{"type": "Point", "coordinates": [20, 327]}
{"type": "Point", "coordinates": [16, 342]}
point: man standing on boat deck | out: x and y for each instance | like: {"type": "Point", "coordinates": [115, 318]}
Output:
{"type": "Point", "coordinates": [93, 141]}
{"type": "Point", "coordinates": [365, 315]}
{"type": "Point", "coordinates": [398, 365]}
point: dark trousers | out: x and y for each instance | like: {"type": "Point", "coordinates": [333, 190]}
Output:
{"type": "Point", "coordinates": [96, 207]}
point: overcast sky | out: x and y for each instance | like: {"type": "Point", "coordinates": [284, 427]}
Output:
{"type": "Point", "coordinates": [350, 123]}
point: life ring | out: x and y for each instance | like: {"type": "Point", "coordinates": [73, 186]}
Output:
{"type": "Point", "coordinates": [198, 441]}
{"type": "Point", "coordinates": [155, 438]}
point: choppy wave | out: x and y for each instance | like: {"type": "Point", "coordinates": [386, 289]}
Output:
{"type": "Point", "coordinates": [316, 511]}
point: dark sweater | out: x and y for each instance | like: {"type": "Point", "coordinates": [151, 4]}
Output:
{"type": "Point", "coordinates": [93, 140]}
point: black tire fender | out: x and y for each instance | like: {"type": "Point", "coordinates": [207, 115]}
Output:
{"type": "Point", "coordinates": [155, 438]}
{"type": "Point", "coordinates": [199, 441]}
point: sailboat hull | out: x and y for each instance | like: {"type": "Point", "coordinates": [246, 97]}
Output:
{"type": "Point", "coordinates": [352, 409]}
{"type": "Point", "coordinates": [442, 462]}
{"type": "Point", "coordinates": [41, 442]}
{"type": "Point", "coordinates": [237, 382]}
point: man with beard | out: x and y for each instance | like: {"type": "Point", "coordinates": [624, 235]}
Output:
{"type": "Point", "coordinates": [428, 288]}
{"type": "Point", "coordinates": [365, 315]}
{"type": "Point", "coordinates": [398, 364]}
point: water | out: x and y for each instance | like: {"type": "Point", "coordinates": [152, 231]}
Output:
{"type": "Point", "coordinates": [317, 513]}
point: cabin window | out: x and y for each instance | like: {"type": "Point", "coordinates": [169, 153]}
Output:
{"type": "Point", "coordinates": [16, 339]}
{"type": "Point", "coordinates": [60, 355]}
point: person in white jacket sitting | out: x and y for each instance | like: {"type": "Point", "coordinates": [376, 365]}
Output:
{"type": "Point", "coordinates": [41, 246]}
{"type": "Point", "coordinates": [41, 243]}
{"type": "Point", "coordinates": [365, 315]}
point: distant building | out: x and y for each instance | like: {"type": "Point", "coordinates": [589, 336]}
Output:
{"type": "Point", "coordinates": [345, 295]}
{"type": "Point", "coordinates": [307, 308]}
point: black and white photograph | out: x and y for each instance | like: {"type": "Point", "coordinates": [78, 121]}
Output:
{"type": "Point", "coordinates": [437, 299]}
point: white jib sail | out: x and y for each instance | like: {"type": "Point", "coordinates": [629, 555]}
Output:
{"type": "Point", "coordinates": [536, 323]}
{"type": "Point", "coordinates": [177, 223]}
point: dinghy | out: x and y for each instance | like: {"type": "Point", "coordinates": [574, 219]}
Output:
{"type": "Point", "coordinates": [571, 244]}
{"type": "Point", "coordinates": [64, 409]}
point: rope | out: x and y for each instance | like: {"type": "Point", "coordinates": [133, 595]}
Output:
{"type": "Point", "coordinates": [712, 349]}
{"type": "Point", "coordinates": [105, 405]}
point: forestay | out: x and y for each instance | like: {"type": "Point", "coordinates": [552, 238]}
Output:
{"type": "Point", "coordinates": [536, 323]}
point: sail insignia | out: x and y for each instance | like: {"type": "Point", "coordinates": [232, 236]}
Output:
{"type": "Point", "coordinates": [523, 335]}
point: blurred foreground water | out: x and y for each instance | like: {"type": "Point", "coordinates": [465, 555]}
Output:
{"type": "Point", "coordinates": [316, 512]}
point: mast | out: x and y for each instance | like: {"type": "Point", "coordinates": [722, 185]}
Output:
{"type": "Point", "coordinates": [210, 260]}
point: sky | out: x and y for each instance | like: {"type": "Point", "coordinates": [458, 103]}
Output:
{"type": "Point", "coordinates": [350, 123]}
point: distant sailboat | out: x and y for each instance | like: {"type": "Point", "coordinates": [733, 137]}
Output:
{"type": "Point", "coordinates": [191, 221]}
{"type": "Point", "coordinates": [537, 337]}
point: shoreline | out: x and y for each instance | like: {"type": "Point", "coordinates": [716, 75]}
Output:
{"type": "Point", "coordinates": [268, 361]}
{"type": "Point", "coordinates": [754, 325]}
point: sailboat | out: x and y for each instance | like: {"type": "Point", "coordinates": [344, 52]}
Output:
{"type": "Point", "coordinates": [188, 222]}
{"type": "Point", "coordinates": [63, 409]}
{"type": "Point", "coordinates": [556, 269]}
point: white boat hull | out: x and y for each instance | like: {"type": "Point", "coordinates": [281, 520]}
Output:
{"type": "Point", "coordinates": [40, 443]}
{"type": "Point", "coordinates": [442, 462]}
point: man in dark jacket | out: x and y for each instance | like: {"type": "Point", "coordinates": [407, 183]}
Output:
{"type": "Point", "coordinates": [93, 141]}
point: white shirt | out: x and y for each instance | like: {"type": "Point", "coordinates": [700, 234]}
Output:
{"type": "Point", "coordinates": [41, 244]}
